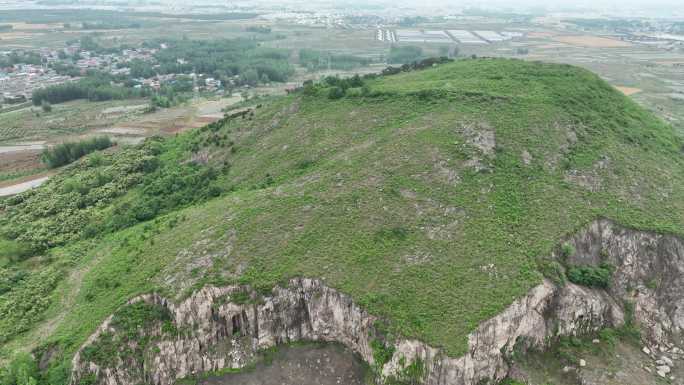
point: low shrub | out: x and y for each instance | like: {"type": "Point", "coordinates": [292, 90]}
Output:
{"type": "Point", "coordinates": [336, 93]}
{"type": "Point", "coordinates": [592, 276]}
{"type": "Point", "coordinates": [382, 353]}
{"type": "Point", "coordinates": [22, 370]}
{"type": "Point", "coordinates": [25, 303]}
{"type": "Point", "coordinates": [411, 374]}
{"type": "Point", "coordinates": [10, 278]}
{"type": "Point", "coordinates": [553, 270]}
{"type": "Point", "coordinates": [567, 250]}
{"type": "Point", "coordinates": [14, 251]}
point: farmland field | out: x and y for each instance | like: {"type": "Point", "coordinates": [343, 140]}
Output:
{"type": "Point", "coordinates": [592, 41]}
{"type": "Point", "coordinates": [67, 119]}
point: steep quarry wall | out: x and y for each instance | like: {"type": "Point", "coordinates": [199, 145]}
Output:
{"type": "Point", "coordinates": [649, 274]}
{"type": "Point", "coordinates": [220, 333]}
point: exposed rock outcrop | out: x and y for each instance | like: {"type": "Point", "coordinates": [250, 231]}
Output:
{"type": "Point", "coordinates": [649, 273]}
{"type": "Point", "coordinates": [220, 333]}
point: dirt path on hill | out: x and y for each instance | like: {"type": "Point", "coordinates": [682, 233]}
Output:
{"type": "Point", "coordinates": [22, 186]}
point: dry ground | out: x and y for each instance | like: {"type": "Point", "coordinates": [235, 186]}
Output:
{"type": "Point", "coordinates": [628, 90]}
{"type": "Point", "coordinates": [591, 41]}
{"type": "Point", "coordinates": [301, 365]}
{"type": "Point", "coordinates": [30, 26]}
{"type": "Point", "coordinates": [19, 161]}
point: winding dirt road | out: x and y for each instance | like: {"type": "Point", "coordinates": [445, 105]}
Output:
{"type": "Point", "coordinates": [23, 186]}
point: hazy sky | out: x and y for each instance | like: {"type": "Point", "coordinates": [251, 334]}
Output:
{"type": "Point", "coordinates": [679, 4]}
{"type": "Point", "coordinates": [635, 8]}
{"type": "Point", "coordinates": [618, 7]}
{"type": "Point", "coordinates": [591, 8]}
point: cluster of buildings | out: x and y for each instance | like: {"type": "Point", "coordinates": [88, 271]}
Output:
{"type": "Point", "coordinates": [18, 81]}
{"type": "Point", "coordinates": [385, 35]}
{"type": "Point", "coordinates": [311, 19]}
{"type": "Point", "coordinates": [445, 37]}
{"type": "Point", "coordinates": [664, 41]}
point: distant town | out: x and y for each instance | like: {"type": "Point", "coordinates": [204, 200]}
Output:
{"type": "Point", "coordinates": [19, 81]}
{"type": "Point", "coordinates": [45, 67]}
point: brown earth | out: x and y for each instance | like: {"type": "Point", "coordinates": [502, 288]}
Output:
{"type": "Point", "coordinates": [591, 41]}
{"type": "Point", "coordinates": [300, 365]}
{"type": "Point", "coordinates": [18, 161]}
{"type": "Point", "coordinates": [540, 34]}
{"type": "Point", "coordinates": [628, 90]}
{"type": "Point", "coordinates": [36, 26]}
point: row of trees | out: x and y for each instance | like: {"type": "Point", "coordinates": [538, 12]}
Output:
{"type": "Point", "coordinates": [85, 89]}
{"type": "Point", "coordinates": [222, 59]}
{"type": "Point", "coordinates": [96, 86]}
{"type": "Point", "coordinates": [335, 87]}
{"type": "Point", "coordinates": [68, 152]}
{"type": "Point", "coordinates": [20, 58]}
{"type": "Point", "coordinates": [315, 60]}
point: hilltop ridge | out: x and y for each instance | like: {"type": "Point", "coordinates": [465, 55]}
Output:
{"type": "Point", "coordinates": [433, 198]}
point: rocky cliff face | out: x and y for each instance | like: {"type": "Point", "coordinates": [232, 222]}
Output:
{"type": "Point", "coordinates": [218, 333]}
{"type": "Point", "coordinates": [221, 332]}
{"type": "Point", "coordinates": [650, 274]}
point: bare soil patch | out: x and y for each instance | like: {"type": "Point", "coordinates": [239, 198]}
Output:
{"type": "Point", "coordinates": [592, 41]}
{"type": "Point", "coordinates": [540, 34]}
{"type": "Point", "coordinates": [297, 365]}
{"type": "Point", "coordinates": [18, 35]}
{"type": "Point", "coordinates": [551, 46]}
{"type": "Point", "coordinates": [30, 26]}
{"type": "Point", "coordinates": [628, 90]}
{"type": "Point", "coordinates": [20, 161]}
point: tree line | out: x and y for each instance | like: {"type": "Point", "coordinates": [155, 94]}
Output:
{"type": "Point", "coordinates": [65, 153]}
{"type": "Point", "coordinates": [222, 59]}
{"type": "Point", "coordinates": [315, 60]}
{"type": "Point", "coordinates": [95, 86]}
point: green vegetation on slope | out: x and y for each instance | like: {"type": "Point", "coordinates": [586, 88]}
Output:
{"type": "Point", "coordinates": [103, 194]}
{"type": "Point", "coordinates": [65, 153]}
{"type": "Point", "coordinates": [432, 198]}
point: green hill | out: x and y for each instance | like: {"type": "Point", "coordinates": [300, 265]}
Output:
{"type": "Point", "coordinates": [432, 197]}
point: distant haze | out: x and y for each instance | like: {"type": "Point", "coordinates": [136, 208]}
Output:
{"type": "Point", "coordinates": [622, 8]}
{"type": "Point", "coordinates": [576, 8]}
{"type": "Point", "coordinates": [663, 6]}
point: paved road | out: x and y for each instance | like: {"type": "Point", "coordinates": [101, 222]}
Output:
{"type": "Point", "coordinates": [21, 187]}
